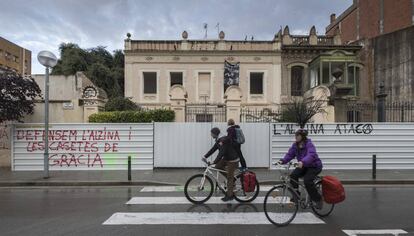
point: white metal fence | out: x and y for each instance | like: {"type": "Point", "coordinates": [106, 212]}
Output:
{"type": "Point", "coordinates": [83, 146]}
{"type": "Point", "coordinates": [107, 146]}
{"type": "Point", "coordinates": [351, 146]}
{"type": "Point", "coordinates": [184, 144]}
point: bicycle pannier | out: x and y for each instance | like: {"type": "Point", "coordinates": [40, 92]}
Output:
{"type": "Point", "coordinates": [332, 189]}
{"type": "Point", "coordinates": [249, 181]}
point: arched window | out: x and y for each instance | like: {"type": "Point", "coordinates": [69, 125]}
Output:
{"type": "Point", "coordinates": [296, 80]}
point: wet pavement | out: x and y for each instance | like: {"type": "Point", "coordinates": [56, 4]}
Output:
{"type": "Point", "coordinates": [84, 210]}
{"type": "Point", "coordinates": [178, 177]}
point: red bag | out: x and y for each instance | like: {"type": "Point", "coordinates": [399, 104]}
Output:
{"type": "Point", "coordinates": [249, 181]}
{"type": "Point", "coordinates": [332, 189]}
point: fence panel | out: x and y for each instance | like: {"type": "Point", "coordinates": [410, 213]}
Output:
{"type": "Point", "coordinates": [184, 144]}
{"type": "Point", "coordinates": [351, 145]}
{"type": "Point", "coordinates": [84, 146]}
{"type": "Point", "coordinates": [181, 144]}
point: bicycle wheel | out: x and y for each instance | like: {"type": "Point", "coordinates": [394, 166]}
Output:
{"type": "Point", "coordinates": [281, 205]}
{"type": "Point", "coordinates": [242, 196]}
{"type": "Point", "coordinates": [198, 189]}
{"type": "Point", "coordinates": [327, 207]}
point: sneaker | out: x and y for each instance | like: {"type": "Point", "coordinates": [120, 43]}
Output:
{"type": "Point", "coordinates": [318, 205]}
{"type": "Point", "coordinates": [227, 198]}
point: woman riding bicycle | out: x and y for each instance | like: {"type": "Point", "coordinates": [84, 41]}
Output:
{"type": "Point", "coordinates": [309, 165]}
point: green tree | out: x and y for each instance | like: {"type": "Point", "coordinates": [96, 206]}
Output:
{"type": "Point", "coordinates": [120, 104]}
{"type": "Point", "coordinates": [17, 95]}
{"type": "Point", "coordinates": [102, 68]}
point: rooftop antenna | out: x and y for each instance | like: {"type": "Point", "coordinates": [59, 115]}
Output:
{"type": "Point", "coordinates": [205, 26]}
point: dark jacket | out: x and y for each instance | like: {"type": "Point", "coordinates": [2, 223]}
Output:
{"type": "Point", "coordinates": [226, 150]}
{"type": "Point", "coordinates": [231, 132]}
{"type": "Point", "coordinates": [307, 155]}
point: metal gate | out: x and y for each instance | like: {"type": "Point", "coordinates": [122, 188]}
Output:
{"type": "Point", "coordinates": [205, 113]}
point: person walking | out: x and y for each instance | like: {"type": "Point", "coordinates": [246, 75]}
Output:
{"type": "Point", "coordinates": [234, 132]}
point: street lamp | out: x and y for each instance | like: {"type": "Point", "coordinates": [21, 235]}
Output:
{"type": "Point", "coordinates": [48, 60]}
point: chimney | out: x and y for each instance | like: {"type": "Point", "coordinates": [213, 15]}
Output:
{"type": "Point", "coordinates": [333, 17]}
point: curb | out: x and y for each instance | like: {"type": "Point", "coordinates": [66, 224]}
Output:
{"type": "Point", "coordinates": [156, 183]}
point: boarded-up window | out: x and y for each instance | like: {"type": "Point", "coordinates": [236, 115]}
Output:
{"type": "Point", "coordinates": [256, 83]}
{"type": "Point", "coordinates": [176, 78]}
{"type": "Point", "coordinates": [204, 84]}
{"type": "Point", "coordinates": [150, 82]}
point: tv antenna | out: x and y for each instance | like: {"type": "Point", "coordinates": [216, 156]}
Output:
{"type": "Point", "coordinates": [205, 26]}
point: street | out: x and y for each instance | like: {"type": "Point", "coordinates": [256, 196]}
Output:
{"type": "Point", "coordinates": [163, 210]}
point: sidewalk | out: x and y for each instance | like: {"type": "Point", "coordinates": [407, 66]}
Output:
{"type": "Point", "coordinates": [179, 177]}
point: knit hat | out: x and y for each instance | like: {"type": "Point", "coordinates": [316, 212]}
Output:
{"type": "Point", "coordinates": [215, 131]}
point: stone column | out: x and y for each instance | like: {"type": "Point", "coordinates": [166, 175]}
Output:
{"type": "Point", "coordinates": [232, 98]}
{"type": "Point", "coordinates": [92, 106]}
{"type": "Point", "coordinates": [178, 98]}
{"type": "Point", "coordinates": [339, 98]}
{"type": "Point", "coordinates": [322, 93]}
{"type": "Point", "coordinates": [381, 103]}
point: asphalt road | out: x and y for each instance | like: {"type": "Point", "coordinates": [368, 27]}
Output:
{"type": "Point", "coordinates": [83, 211]}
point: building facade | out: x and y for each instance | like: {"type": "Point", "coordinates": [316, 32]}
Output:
{"type": "Point", "coordinates": [367, 19]}
{"type": "Point", "coordinates": [268, 73]}
{"type": "Point", "coordinates": [384, 29]}
{"type": "Point", "coordinates": [15, 57]}
{"type": "Point", "coordinates": [72, 99]}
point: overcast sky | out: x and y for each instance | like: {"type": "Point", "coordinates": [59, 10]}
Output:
{"type": "Point", "coordinates": [44, 24]}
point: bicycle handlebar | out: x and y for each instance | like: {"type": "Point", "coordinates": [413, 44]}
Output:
{"type": "Point", "coordinates": [287, 165]}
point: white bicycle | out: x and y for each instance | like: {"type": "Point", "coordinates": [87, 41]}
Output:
{"type": "Point", "coordinates": [200, 187]}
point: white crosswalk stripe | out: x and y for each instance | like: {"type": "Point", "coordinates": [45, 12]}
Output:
{"type": "Point", "coordinates": [181, 188]}
{"type": "Point", "coordinates": [201, 218]}
{"type": "Point", "coordinates": [375, 231]}
{"type": "Point", "coordinates": [181, 200]}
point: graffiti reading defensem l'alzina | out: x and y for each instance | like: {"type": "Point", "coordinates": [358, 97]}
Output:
{"type": "Point", "coordinates": [72, 147]}
{"type": "Point", "coordinates": [320, 129]}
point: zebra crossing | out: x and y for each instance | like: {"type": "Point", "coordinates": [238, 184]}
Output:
{"type": "Point", "coordinates": [173, 196]}
{"type": "Point", "coordinates": [167, 205]}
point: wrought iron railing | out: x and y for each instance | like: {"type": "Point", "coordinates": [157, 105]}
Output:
{"type": "Point", "coordinates": [205, 113]}
{"type": "Point", "coordinates": [265, 115]}
{"type": "Point", "coordinates": [367, 112]}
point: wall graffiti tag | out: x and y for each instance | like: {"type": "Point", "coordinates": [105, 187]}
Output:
{"type": "Point", "coordinates": [321, 129]}
{"type": "Point", "coordinates": [69, 147]}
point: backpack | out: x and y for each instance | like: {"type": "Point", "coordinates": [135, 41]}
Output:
{"type": "Point", "coordinates": [249, 181]}
{"type": "Point", "coordinates": [332, 190]}
{"type": "Point", "coordinates": [240, 136]}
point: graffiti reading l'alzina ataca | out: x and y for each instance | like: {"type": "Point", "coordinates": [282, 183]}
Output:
{"type": "Point", "coordinates": [73, 147]}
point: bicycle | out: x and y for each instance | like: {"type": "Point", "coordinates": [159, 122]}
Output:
{"type": "Point", "coordinates": [199, 188]}
{"type": "Point", "coordinates": [282, 202]}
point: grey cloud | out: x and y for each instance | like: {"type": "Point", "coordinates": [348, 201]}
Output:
{"type": "Point", "coordinates": [44, 24]}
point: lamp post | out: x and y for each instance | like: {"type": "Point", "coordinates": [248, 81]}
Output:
{"type": "Point", "coordinates": [48, 60]}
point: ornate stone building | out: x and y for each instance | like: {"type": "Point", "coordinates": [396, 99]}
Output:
{"type": "Point", "coordinates": [192, 76]}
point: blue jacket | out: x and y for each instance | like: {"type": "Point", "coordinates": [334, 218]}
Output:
{"type": "Point", "coordinates": [307, 155]}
